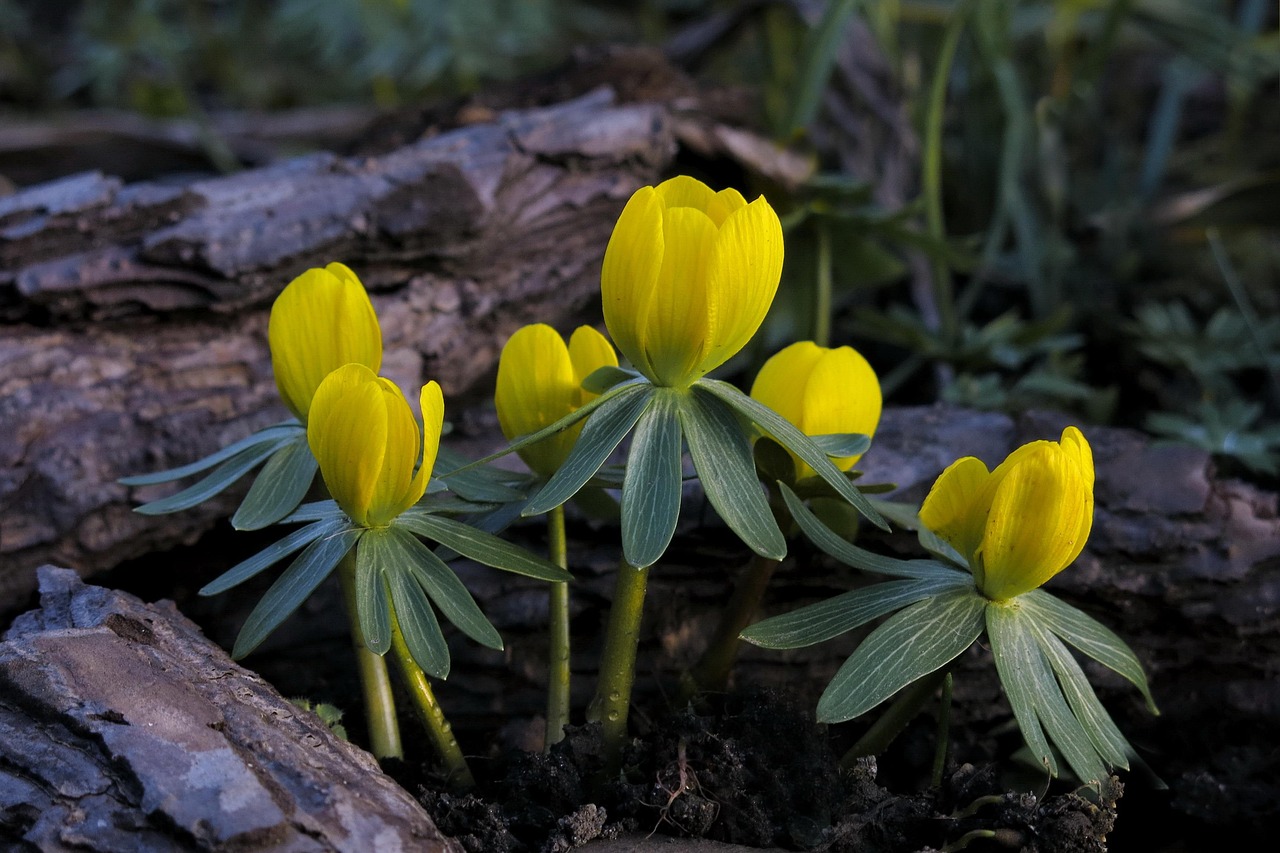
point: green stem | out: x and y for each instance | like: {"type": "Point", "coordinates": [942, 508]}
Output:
{"type": "Point", "coordinates": [944, 731]}
{"type": "Point", "coordinates": [895, 718]}
{"type": "Point", "coordinates": [379, 705]}
{"type": "Point", "coordinates": [430, 712]}
{"type": "Point", "coordinates": [822, 287]}
{"type": "Point", "coordinates": [558, 633]}
{"type": "Point", "coordinates": [711, 673]}
{"type": "Point", "coordinates": [618, 661]}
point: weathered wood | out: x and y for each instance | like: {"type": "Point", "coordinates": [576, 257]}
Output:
{"type": "Point", "coordinates": [123, 728]}
{"type": "Point", "coordinates": [136, 313]}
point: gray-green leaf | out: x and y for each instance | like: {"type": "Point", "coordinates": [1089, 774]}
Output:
{"type": "Point", "coordinates": [279, 487]}
{"type": "Point", "coordinates": [272, 554]}
{"type": "Point", "coordinates": [269, 435]}
{"type": "Point", "coordinates": [651, 488]}
{"type": "Point", "coordinates": [444, 587]}
{"type": "Point", "coordinates": [221, 478]}
{"type": "Point", "coordinates": [480, 546]}
{"type": "Point", "coordinates": [1016, 653]}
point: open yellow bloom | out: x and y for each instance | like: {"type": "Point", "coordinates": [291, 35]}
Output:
{"type": "Point", "coordinates": [822, 391]}
{"type": "Point", "coordinates": [366, 440]}
{"type": "Point", "coordinates": [1022, 523]}
{"type": "Point", "coordinates": [540, 381]}
{"type": "Point", "coordinates": [688, 277]}
{"type": "Point", "coordinates": [320, 322]}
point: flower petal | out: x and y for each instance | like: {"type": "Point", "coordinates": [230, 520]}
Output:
{"type": "Point", "coordinates": [395, 480]}
{"type": "Point", "coordinates": [842, 394]}
{"type": "Point", "coordinates": [745, 266]}
{"type": "Point", "coordinates": [677, 330]}
{"type": "Point", "coordinates": [953, 508]}
{"type": "Point", "coordinates": [536, 387]}
{"type": "Point", "coordinates": [431, 400]}
{"type": "Point", "coordinates": [629, 276]}
{"type": "Point", "coordinates": [347, 432]}
{"type": "Point", "coordinates": [1033, 530]}
{"type": "Point", "coordinates": [322, 320]}
{"type": "Point", "coordinates": [589, 351]}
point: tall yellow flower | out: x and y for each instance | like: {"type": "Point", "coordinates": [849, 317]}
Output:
{"type": "Point", "coordinates": [322, 320]}
{"type": "Point", "coordinates": [1022, 523]}
{"type": "Point", "coordinates": [540, 381]}
{"type": "Point", "coordinates": [822, 391]}
{"type": "Point", "coordinates": [366, 440]}
{"type": "Point", "coordinates": [688, 277]}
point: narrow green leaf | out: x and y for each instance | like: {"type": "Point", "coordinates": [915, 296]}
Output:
{"type": "Point", "coordinates": [1089, 636]}
{"type": "Point", "coordinates": [279, 487]}
{"type": "Point", "coordinates": [372, 605]}
{"type": "Point", "coordinates": [722, 456]}
{"type": "Point", "coordinates": [263, 436]}
{"type": "Point", "coordinates": [651, 488]}
{"type": "Point", "coordinates": [222, 477]}
{"type": "Point", "coordinates": [327, 510]}
{"type": "Point", "coordinates": [1086, 707]}
{"type": "Point", "coordinates": [480, 546]}
{"type": "Point", "coordinates": [833, 544]}
{"type": "Point", "coordinates": [841, 444]}
{"type": "Point", "coordinates": [818, 58]}
{"type": "Point", "coordinates": [482, 484]}
{"type": "Point", "coordinates": [292, 588]}
{"type": "Point", "coordinates": [625, 389]}
{"type": "Point", "coordinates": [911, 644]}
{"type": "Point", "coordinates": [1015, 653]}
{"type": "Point", "coordinates": [819, 622]}
{"type": "Point", "coordinates": [418, 624]}
{"type": "Point", "coordinates": [444, 587]}
{"type": "Point", "coordinates": [272, 554]}
{"type": "Point", "coordinates": [786, 434]}
{"type": "Point", "coordinates": [600, 436]}
{"type": "Point", "coordinates": [1052, 709]}
{"type": "Point", "coordinates": [603, 378]}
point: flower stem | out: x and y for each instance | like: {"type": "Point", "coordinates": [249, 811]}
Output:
{"type": "Point", "coordinates": [895, 718]}
{"type": "Point", "coordinates": [558, 631]}
{"type": "Point", "coordinates": [944, 730]}
{"type": "Point", "coordinates": [379, 705]}
{"type": "Point", "coordinates": [430, 712]}
{"type": "Point", "coordinates": [711, 673]}
{"type": "Point", "coordinates": [618, 661]}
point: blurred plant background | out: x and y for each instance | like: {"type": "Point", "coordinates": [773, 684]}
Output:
{"type": "Point", "coordinates": [1061, 203]}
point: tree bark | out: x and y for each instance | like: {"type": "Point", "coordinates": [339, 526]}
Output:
{"type": "Point", "coordinates": [123, 728]}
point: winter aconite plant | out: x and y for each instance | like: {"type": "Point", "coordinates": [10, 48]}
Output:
{"type": "Point", "coordinates": [1012, 529]}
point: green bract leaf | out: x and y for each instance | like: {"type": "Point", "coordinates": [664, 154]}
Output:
{"type": "Point", "coordinates": [831, 543]}
{"type": "Point", "coordinates": [480, 546]}
{"type": "Point", "coordinates": [315, 511]}
{"type": "Point", "coordinates": [600, 436]}
{"type": "Point", "coordinates": [418, 624]}
{"type": "Point", "coordinates": [722, 456]}
{"type": "Point", "coordinates": [222, 477]}
{"type": "Point", "coordinates": [292, 588]}
{"type": "Point", "coordinates": [444, 587]}
{"type": "Point", "coordinates": [1089, 636]}
{"type": "Point", "coordinates": [1097, 723]}
{"type": "Point", "coordinates": [651, 488]}
{"type": "Point", "coordinates": [273, 554]}
{"type": "Point", "coordinates": [562, 424]}
{"type": "Point", "coordinates": [372, 614]}
{"type": "Point", "coordinates": [786, 434]}
{"type": "Point", "coordinates": [603, 378]}
{"type": "Point", "coordinates": [1016, 654]}
{"type": "Point", "coordinates": [911, 644]}
{"type": "Point", "coordinates": [481, 484]}
{"type": "Point", "coordinates": [816, 623]}
{"type": "Point", "coordinates": [841, 444]}
{"type": "Point", "coordinates": [279, 487]}
{"type": "Point", "coordinates": [263, 436]}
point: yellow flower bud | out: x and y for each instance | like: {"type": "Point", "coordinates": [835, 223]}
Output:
{"type": "Point", "coordinates": [1022, 523]}
{"type": "Point", "coordinates": [822, 391]}
{"type": "Point", "coordinates": [540, 381]}
{"type": "Point", "coordinates": [366, 440]}
{"type": "Point", "coordinates": [320, 322]}
{"type": "Point", "coordinates": [688, 277]}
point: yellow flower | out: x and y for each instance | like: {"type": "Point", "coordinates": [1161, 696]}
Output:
{"type": "Point", "coordinates": [540, 381]}
{"type": "Point", "coordinates": [822, 391]}
{"type": "Point", "coordinates": [688, 277]}
{"type": "Point", "coordinates": [321, 321]}
{"type": "Point", "coordinates": [1022, 523]}
{"type": "Point", "coordinates": [366, 440]}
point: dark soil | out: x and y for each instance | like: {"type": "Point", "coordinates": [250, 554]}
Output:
{"type": "Point", "coordinates": [752, 770]}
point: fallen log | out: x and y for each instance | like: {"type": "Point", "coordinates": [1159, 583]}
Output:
{"type": "Point", "coordinates": [123, 728]}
